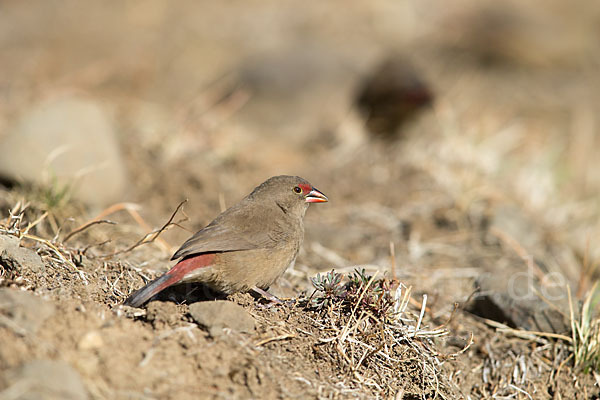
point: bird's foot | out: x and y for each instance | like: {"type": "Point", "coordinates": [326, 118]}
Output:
{"type": "Point", "coordinates": [273, 300]}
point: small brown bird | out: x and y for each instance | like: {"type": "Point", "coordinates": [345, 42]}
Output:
{"type": "Point", "coordinates": [248, 246]}
{"type": "Point", "coordinates": [391, 95]}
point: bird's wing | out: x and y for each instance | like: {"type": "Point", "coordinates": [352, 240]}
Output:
{"type": "Point", "coordinates": [233, 230]}
{"type": "Point", "coordinates": [215, 239]}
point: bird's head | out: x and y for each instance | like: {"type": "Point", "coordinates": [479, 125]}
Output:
{"type": "Point", "coordinates": [291, 193]}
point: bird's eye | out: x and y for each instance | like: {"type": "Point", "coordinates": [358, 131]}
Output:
{"type": "Point", "coordinates": [297, 189]}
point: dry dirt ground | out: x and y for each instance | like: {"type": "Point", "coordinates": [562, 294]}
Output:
{"type": "Point", "coordinates": [161, 353]}
{"type": "Point", "coordinates": [496, 179]}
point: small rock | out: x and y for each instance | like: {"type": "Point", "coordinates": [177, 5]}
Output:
{"type": "Point", "coordinates": [23, 311]}
{"type": "Point", "coordinates": [66, 141]}
{"type": "Point", "coordinates": [16, 258]}
{"type": "Point", "coordinates": [511, 298]}
{"type": "Point", "coordinates": [45, 380]}
{"type": "Point", "coordinates": [91, 340]}
{"type": "Point", "coordinates": [216, 315]}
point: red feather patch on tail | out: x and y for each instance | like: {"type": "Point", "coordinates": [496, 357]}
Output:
{"type": "Point", "coordinates": [187, 265]}
{"type": "Point", "coordinates": [175, 275]}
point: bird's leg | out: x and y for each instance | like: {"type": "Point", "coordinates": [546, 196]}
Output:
{"type": "Point", "coordinates": [267, 295]}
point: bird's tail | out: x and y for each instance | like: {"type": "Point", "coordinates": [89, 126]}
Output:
{"type": "Point", "coordinates": [175, 275]}
{"type": "Point", "coordinates": [144, 294]}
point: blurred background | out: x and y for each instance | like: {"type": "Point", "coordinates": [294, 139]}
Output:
{"type": "Point", "coordinates": [421, 120]}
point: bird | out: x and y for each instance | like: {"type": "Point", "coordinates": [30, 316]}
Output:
{"type": "Point", "coordinates": [392, 94]}
{"type": "Point", "coordinates": [247, 247]}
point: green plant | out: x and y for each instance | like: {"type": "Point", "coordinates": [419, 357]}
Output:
{"type": "Point", "coordinates": [328, 289]}
{"type": "Point", "coordinates": [54, 194]}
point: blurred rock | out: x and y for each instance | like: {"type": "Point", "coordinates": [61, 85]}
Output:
{"type": "Point", "coordinates": [45, 380]}
{"type": "Point", "coordinates": [493, 35]}
{"type": "Point", "coordinates": [391, 94]}
{"type": "Point", "coordinates": [521, 34]}
{"type": "Point", "coordinates": [296, 91]}
{"type": "Point", "coordinates": [15, 258]}
{"type": "Point", "coordinates": [510, 223]}
{"type": "Point", "coordinates": [216, 315]}
{"type": "Point", "coordinates": [23, 312]}
{"type": "Point", "coordinates": [511, 299]}
{"type": "Point", "coordinates": [66, 141]}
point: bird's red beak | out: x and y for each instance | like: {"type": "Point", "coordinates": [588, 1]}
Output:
{"type": "Point", "coordinates": [315, 196]}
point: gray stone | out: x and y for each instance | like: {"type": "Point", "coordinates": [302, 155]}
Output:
{"type": "Point", "coordinates": [14, 257]}
{"type": "Point", "coordinates": [216, 315]}
{"type": "Point", "coordinates": [319, 78]}
{"type": "Point", "coordinates": [515, 302]}
{"type": "Point", "coordinates": [68, 140]}
{"type": "Point", "coordinates": [45, 380]}
{"type": "Point", "coordinates": [22, 311]}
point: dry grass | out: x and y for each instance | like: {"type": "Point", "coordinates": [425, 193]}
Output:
{"type": "Point", "coordinates": [375, 339]}
{"type": "Point", "coordinates": [585, 331]}
{"type": "Point", "coordinates": [58, 253]}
